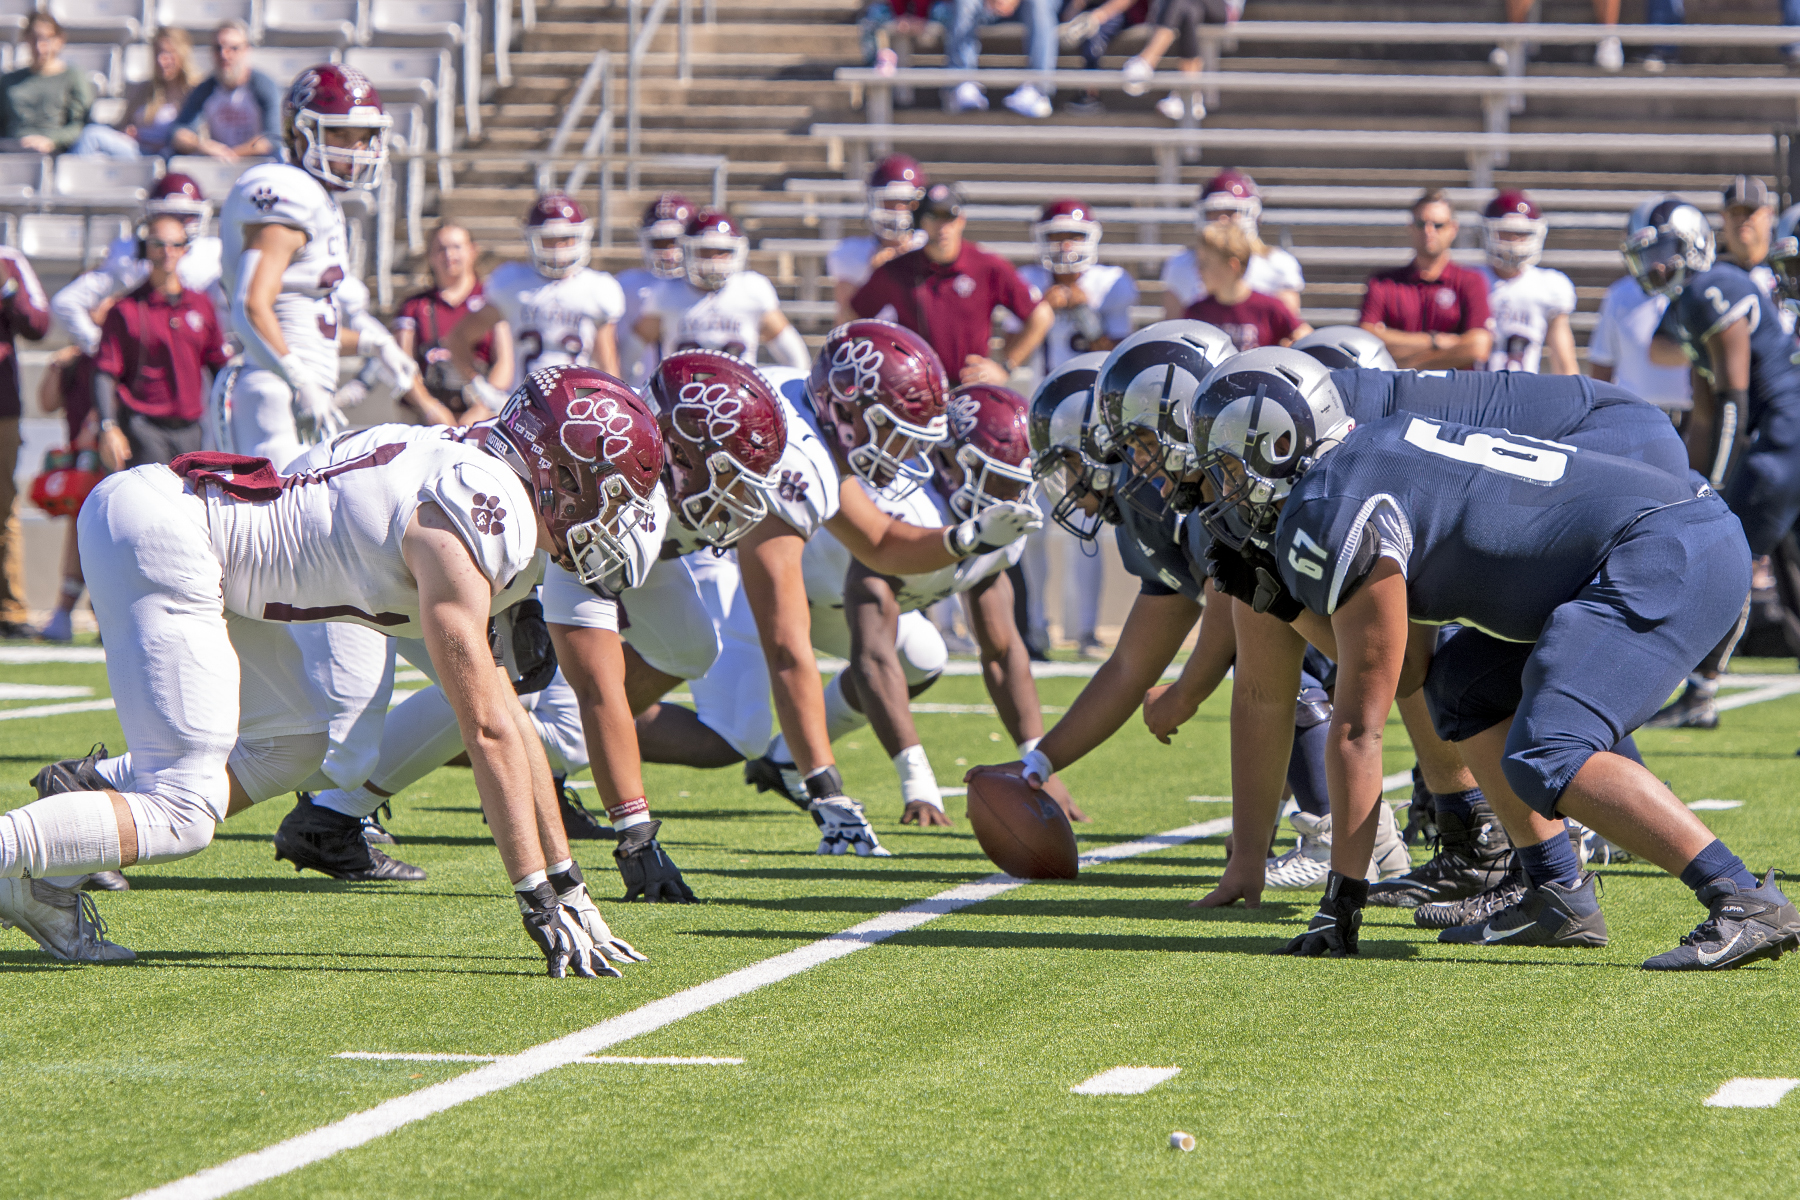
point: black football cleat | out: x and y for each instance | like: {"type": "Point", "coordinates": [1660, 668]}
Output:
{"type": "Point", "coordinates": [72, 775]}
{"type": "Point", "coordinates": [768, 775]}
{"type": "Point", "coordinates": [1472, 856]}
{"type": "Point", "coordinates": [375, 833]}
{"type": "Point", "coordinates": [1470, 910]}
{"type": "Point", "coordinates": [105, 881]}
{"type": "Point", "coordinates": [1740, 928]}
{"type": "Point", "coordinates": [319, 839]}
{"type": "Point", "coordinates": [1693, 709]}
{"type": "Point", "coordinates": [1421, 813]}
{"type": "Point", "coordinates": [578, 823]}
{"type": "Point", "coordinates": [1551, 915]}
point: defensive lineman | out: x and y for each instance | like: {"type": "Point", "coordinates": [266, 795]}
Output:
{"type": "Point", "coordinates": [1530, 304]}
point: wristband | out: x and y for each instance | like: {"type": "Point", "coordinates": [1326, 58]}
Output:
{"type": "Point", "coordinates": [1028, 745]}
{"type": "Point", "coordinates": [1038, 763]}
{"type": "Point", "coordinates": [629, 813]}
{"type": "Point", "coordinates": [825, 783]}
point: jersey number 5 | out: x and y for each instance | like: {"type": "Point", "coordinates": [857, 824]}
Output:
{"type": "Point", "coordinates": [1534, 462]}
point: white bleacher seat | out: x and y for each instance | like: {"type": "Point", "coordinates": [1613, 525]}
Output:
{"type": "Point", "coordinates": [283, 63]}
{"type": "Point", "coordinates": [204, 16]}
{"type": "Point", "coordinates": [100, 20]}
{"type": "Point", "coordinates": [102, 182]}
{"type": "Point", "coordinates": [424, 76]}
{"type": "Point", "coordinates": [339, 22]}
{"type": "Point", "coordinates": [13, 14]}
{"type": "Point", "coordinates": [451, 24]}
{"type": "Point", "coordinates": [102, 63]}
{"type": "Point", "coordinates": [215, 176]}
{"type": "Point", "coordinates": [22, 180]}
{"type": "Point", "coordinates": [68, 238]}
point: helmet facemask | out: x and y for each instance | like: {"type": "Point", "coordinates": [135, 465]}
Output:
{"type": "Point", "coordinates": [1257, 455]}
{"type": "Point", "coordinates": [595, 551]}
{"type": "Point", "coordinates": [733, 502]}
{"type": "Point", "coordinates": [345, 168]}
{"type": "Point", "coordinates": [891, 224]}
{"type": "Point", "coordinates": [560, 262]}
{"type": "Point", "coordinates": [663, 261]}
{"type": "Point", "coordinates": [1520, 250]}
{"type": "Point", "coordinates": [888, 459]}
{"type": "Point", "coordinates": [710, 272]}
{"type": "Point", "coordinates": [979, 480]}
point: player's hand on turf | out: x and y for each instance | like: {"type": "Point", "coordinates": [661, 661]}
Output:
{"type": "Point", "coordinates": [1166, 710]}
{"type": "Point", "coordinates": [1333, 929]}
{"type": "Point", "coordinates": [577, 898]}
{"type": "Point", "coordinates": [842, 823]}
{"type": "Point", "coordinates": [924, 814]}
{"type": "Point", "coordinates": [1246, 885]}
{"type": "Point", "coordinates": [647, 871]}
{"type": "Point", "coordinates": [993, 528]}
{"type": "Point", "coordinates": [1053, 788]}
{"type": "Point", "coordinates": [558, 932]}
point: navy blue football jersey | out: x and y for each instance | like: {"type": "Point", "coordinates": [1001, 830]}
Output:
{"type": "Point", "coordinates": [1151, 546]}
{"type": "Point", "coordinates": [1493, 529]}
{"type": "Point", "coordinates": [1717, 298]}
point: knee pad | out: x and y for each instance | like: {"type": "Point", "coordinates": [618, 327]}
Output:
{"type": "Point", "coordinates": [923, 655]}
{"type": "Point", "coordinates": [169, 828]}
{"type": "Point", "coordinates": [274, 766]}
{"type": "Point", "coordinates": [1312, 708]}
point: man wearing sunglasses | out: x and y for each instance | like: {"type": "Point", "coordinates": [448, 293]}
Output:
{"type": "Point", "coordinates": [156, 347]}
{"type": "Point", "coordinates": [1431, 313]}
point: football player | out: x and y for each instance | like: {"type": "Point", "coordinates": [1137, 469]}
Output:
{"type": "Point", "coordinates": [1340, 346]}
{"type": "Point", "coordinates": [1530, 304]}
{"type": "Point", "coordinates": [1744, 431]}
{"type": "Point", "coordinates": [561, 311]}
{"type": "Point", "coordinates": [1092, 301]}
{"type": "Point", "coordinates": [659, 236]}
{"type": "Point", "coordinates": [896, 184]}
{"type": "Point", "coordinates": [283, 259]}
{"type": "Point", "coordinates": [720, 305]}
{"type": "Point", "coordinates": [1231, 195]}
{"type": "Point", "coordinates": [1589, 586]}
{"type": "Point", "coordinates": [874, 399]}
{"type": "Point", "coordinates": [199, 568]}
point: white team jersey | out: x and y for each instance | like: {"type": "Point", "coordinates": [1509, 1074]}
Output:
{"type": "Point", "coordinates": [636, 360]}
{"type": "Point", "coordinates": [729, 319]}
{"type": "Point", "coordinates": [328, 548]}
{"type": "Point", "coordinates": [848, 261]}
{"type": "Point", "coordinates": [1110, 290]}
{"type": "Point", "coordinates": [123, 271]}
{"type": "Point", "coordinates": [277, 194]}
{"type": "Point", "coordinates": [553, 320]}
{"type": "Point", "coordinates": [825, 560]}
{"type": "Point", "coordinates": [1523, 308]}
{"type": "Point", "coordinates": [808, 494]}
{"type": "Point", "coordinates": [1271, 273]}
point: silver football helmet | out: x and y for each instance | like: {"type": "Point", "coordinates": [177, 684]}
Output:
{"type": "Point", "coordinates": [1065, 415]}
{"type": "Point", "coordinates": [1343, 346]}
{"type": "Point", "coordinates": [1147, 385]}
{"type": "Point", "coordinates": [1666, 241]}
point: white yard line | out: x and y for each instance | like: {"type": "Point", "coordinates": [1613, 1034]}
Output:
{"type": "Point", "coordinates": [634, 1060]}
{"type": "Point", "coordinates": [52, 710]}
{"type": "Point", "coordinates": [361, 1128]}
{"type": "Point", "coordinates": [1125, 1081]}
{"type": "Point", "coordinates": [42, 691]}
{"type": "Point", "coordinates": [18, 656]}
{"type": "Point", "coordinates": [1751, 1093]}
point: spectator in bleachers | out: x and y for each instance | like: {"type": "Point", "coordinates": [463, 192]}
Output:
{"type": "Point", "coordinates": [1231, 196]}
{"type": "Point", "coordinates": [24, 312]}
{"type": "Point", "coordinates": [1091, 31]}
{"type": "Point", "coordinates": [150, 106]}
{"type": "Point", "coordinates": [1749, 222]}
{"type": "Point", "coordinates": [422, 328]}
{"type": "Point", "coordinates": [1177, 24]}
{"type": "Point", "coordinates": [239, 106]}
{"type": "Point", "coordinates": [1431, 314]}
{"type": "Point", "coordinates": [1250, 318]}
{"type": "Point", "coordinates": [947, 290]}
{"type": "Point", "coordinates": [1669, 12]}
{"type": "Point", "coordinates": [1609, 55]}
{"type": "Point", "coordinates": [906, 18]}
{"type": "Point", "coordinates": [962, 51]}
{"type": "Point", "coordinates": [43, 107]}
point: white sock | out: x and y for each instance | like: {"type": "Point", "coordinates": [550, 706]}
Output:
{"type": "Point", "coordinates": [356, 802]}
{"type": "Point", "coordinates": [116, 771]}
{"type": "Point", "coordinates": [840, 718]}
{"type": "Point", "coordinates": [530, 882]}
{"type": "Point", "coordinates": [917, 782]}
{"type": "Point", "coordinates": [72, 834]}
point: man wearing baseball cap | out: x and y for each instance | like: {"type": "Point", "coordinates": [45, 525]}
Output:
{"type": "Point", "coordinates": [1749, 213]}
{"type": "Point", "coordinates": [946, 292]}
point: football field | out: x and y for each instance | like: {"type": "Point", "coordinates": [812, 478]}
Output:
{"type": "Point", "coordinates": [288, 1035]}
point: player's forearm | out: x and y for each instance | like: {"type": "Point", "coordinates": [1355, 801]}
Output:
{"type": "Point", "coordinates": [253, 312]}
{"type": "Point", "coordinates": [1153, 633]}
{"type": "Point", "coordinates": [593, 662]}
{"type": "Point", "coordinates": [606, 350]}
{"type": "Point", "coordinates": [546, 803]}
{"type": "Point", "coordinates": [800, 702]}
{"type": "Point", "coordinates": [1014, 691]}
{"type": "Point", "coordinates": [502, 766]}
{"type": "Point", "coordinates": [1353, 775]}
{"type": "Point", "coordinates": [903, 549]}
{"type": "Point", "coordinates": [881, 688]}
{"type": "Point", "coordinates": [1214, 651]}
{"type": "Point", "coordinates": [1262, 741]}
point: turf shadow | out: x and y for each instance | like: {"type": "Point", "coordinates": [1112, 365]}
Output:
{"type": "Point", "coordinates": [835, 867]}
{"type": "Point", "coordinates": [288, 883]}
{"type": "Point", "coordinates": [956, 939]}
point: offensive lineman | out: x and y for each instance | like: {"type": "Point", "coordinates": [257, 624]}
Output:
{"type": "Point", "coordinates": [719, 305]}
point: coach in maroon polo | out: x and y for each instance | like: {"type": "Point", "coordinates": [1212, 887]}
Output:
{"type": "Point", "coordinates": [1431, 313]}
{"type": "Point", "coordinates": [155, 347]}
{"type": "Point", "coordinates": [946, 292]}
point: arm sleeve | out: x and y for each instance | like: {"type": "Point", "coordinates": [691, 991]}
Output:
{"type": "Point", "coordinates": [1326, 547]}
{"type": "Point", "coordinates": [109, 358]}
{"type": "Point", "coordinates": [492, 514]}
{"type": "Point", "coordinates": [1726, 300]}
{"type": "Point", "coordinates": [1476, 314]}
{"type": "Point", "coordinates": [74, 307]}
{"type": "Point", "coordinates": [189, 116]}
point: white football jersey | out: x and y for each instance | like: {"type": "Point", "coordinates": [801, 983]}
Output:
{"type": "Point", "coordinates": [848, 261]}
{"type": "Point", "coordinates": [1522, 309]}
{"type": "Point", "coordinates": [808, 495]}
{"type": "Point", "coordinates": [729, 319]}
{"type": "Point", "coordinates": [277, 194]}
{"type": "Point", "coordinates": [1110, 290]}
{"type": "Point", "coordinates": [636, 360]}
{"type": "Point", "coordinates": [328, 548]}
{"type": "Point", "coordinates": [553, 320]}
{"type": "Point", "coordinates": [1271, 273]}
{"type": "Point", "coordinates": [826, 560]}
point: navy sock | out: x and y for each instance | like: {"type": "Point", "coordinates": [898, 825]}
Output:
{"type": "Point", "coordinates": [1717, 862]}
{"type": "Point", "coordinates": [1460, 803]}
{"type": "Point", "coordinates": [1550, 861]}
{"type": "Point", "coordinates": [1306, 769]}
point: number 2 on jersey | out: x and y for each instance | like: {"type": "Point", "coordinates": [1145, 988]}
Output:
{"type": "Point", "coordinates": [1534, 462]}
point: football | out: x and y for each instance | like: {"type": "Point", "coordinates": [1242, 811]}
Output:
{"type": "Point", "coordinates": [1024, 831]}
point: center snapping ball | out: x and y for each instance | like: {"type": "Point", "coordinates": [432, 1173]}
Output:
{"type": "Point", "coordinates": [1023, 830]}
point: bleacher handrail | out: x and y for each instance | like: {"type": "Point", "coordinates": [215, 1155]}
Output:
{"type": "Point", "coordinates": [639, 36]}
{"type": "Point", "coordinates": [599, 139]}
{"type": "Point", "coordinates": [1450, 33]}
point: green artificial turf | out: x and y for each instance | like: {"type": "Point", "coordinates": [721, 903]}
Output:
{"type": "Point", "coordinates": [935, 1064]}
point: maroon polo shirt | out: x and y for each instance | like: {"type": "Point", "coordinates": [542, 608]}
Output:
{"type": "Point", "coordinates": [1454, 302]}
{"type": "Point", "coordinates": [1257, 320]}
{"type": "Point", "coordinates": [950, 305]}
{"type": "Point", "coordinates": [155, 346]}
{"type": "Point", "coordinates": [431, 318]}
{"type": "Point", "coordinates": [24, 312]}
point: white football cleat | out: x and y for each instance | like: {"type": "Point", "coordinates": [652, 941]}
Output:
{"type": "Point", "coordinates": [1305, 867]}
{"type": "Point", "coordinates": [63, 921]}
{"type": "Point", "coordinates": [1296, 871]}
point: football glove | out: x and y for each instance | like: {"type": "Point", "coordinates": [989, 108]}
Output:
{"type": "Point", "coordinates": [559, 933]}
{"type": "Point", "coordinates": [397, 370]}
{"type": "Point", "coordinates": [571, 889]}
{"type": "Point", "coordinates": [1333, 929]}
{"type": "Point", "coordinates": [842, 825]}
{"type": "Point", "coordinates": [646, 870]}
{"type": "Point", "coordinates": [993, 528]}
{"type": "Point", "coordinates": [1251, 575]}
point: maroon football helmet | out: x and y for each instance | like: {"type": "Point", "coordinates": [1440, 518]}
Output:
{"type": "Point", "coordinates": [1231, 191]}
{"type": "Point", "coordinates": [665, 220]}
{"type": "Point", "coordinates": [177, 195]}
{"type": "Point", "coordinates": [990, 430]}
{"type": "Point", "coordinates": [1068, 236]}
{"type": "Point", "coordinates": [589, 449]}
{"type": "Point", "coordinates": [709, 231]}
{"type": "Point", "coordinates": [1514, 230]}
{"type": "Point", "coordinates": [723, 431]}
{"type": "Point", "coordinates": [556, 217]}
{"type": "Point", "coordinates": [896, 179]}
{"type": "Point", "coordinates": [334, 96]}
{"type": "Point", "coordinates": [879, 391]}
